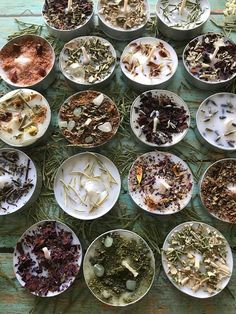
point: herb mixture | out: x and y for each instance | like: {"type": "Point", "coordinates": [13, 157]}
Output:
{"type": "Point", "coordinates": [218, 190]}
{"type": "Point", "coordinates": [24, 117]}
{"type": "Point", "coordinates": [159, 184]}
{"type": "Point", "coordinates": [15, 181]}
{"type": "Point", "coordinates": [47, 258]}
{"type": "Point", "coordinates": [211, 57]}
{"type": "Point", "coordinates": [89, 119]}
{"type": "Point", "coordinates": [158, 118]}
{"type": "Point", "coordinates": [88, 60]}
{"type": "Point", "coordinates": [196, 258]}
{"type": "Point", "coordinates": [86, 187]}
{"type": "Point", "coordinates": [124, 14]}
{"type": "Point", "coordinates": [27, 60]}
{"type": "Point", "coordinates": [147, 61]}
{"type": "Point", "coordinates": [216, 120]}
{"type": "Point", "coordinates": [58, 15]}
{"type": "Point", "coordinates": [182, 14]}
{"type": "Point", "coordinates": [123, 269]}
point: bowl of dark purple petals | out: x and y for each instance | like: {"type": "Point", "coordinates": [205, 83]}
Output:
{"type": "Point", "coordinates": [47, 258]}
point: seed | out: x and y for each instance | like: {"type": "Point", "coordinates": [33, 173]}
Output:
{"type": "Point", "coordinates": [98, 270]}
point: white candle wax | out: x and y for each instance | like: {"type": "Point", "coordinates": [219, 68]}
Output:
{"type": "Point", "coordinates": [216, 120]}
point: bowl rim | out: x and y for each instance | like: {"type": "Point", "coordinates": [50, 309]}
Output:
{"type": "Point", "coordinates": [138, 237]}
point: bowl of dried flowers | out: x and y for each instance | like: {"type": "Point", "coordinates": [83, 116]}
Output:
{"type": "Point", "coordinates": [218, 189]}
{"type": "Point", "coordinates": [27, 61]}
{"type": "Point", "coordinates": [123, 20]}
{"type": "Point", "coordinates": [47, 258]}
{"type": "Point", "coordinates": [67, 19]}
{"type": "Point", "coordinates": [159, 118]}
{"type": "Point", "coordinates": [87, 185]}
{"type": "Point", "coordinates": [148, 63]}
{"type": "Point", "coordinates": [160, 183]}
{"type": "Point", "coordinates": [210, 61]}
{"type": "Point", "coordinates": [197, 259]}
{"type": "Point", "coordinates": [119, 267]}
{"type": "Point", "coordinates": [20, 181]}
{"type": "Point", "coordinates": [88, 119]}
{"type": "Point", "coordinates": [88, 61]}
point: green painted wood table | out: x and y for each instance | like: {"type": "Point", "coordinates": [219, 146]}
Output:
{"type": "Point", "coordinates": [163, 297]}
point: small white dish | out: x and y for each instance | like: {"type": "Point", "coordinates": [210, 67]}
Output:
{"type": "Point", "coordinates": [83, 192]}
{"type": "Point", "coordinates": [201, 294]}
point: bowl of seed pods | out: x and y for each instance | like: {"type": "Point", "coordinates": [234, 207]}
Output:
{"type": "Point", "coordinates": [159, 118]}
{"type": "Point", "coordinates": [67, 19]}
{"type": "Point", "coordinates": [148, 63]}
{"type": "Point", "coordinates": [88, 61]}
{"type": "Point", "coordinates": [160, 183]}
{"type": "Point", "coordinates": [197, 259]}
{"type": "Point", "coordinates": [27, 61]}
{"type": "Point", "coordinates": [25, 117]}
{"type": "Point", "coordinates": [210, 61]}
{"type": "Point", "coordinates": [88, 119]}
{"type": "Point", "coordinates": [182, 20]}
{"type": "Point", "coordinates": [218, 190]}
{"type": "Point", "coordinates": [20, 181]}
{"type": "Point", "coordinates": [216, 122]}
{"type": "Point", "coordinates": [47, 258]}
{"type": "Point", "coordinates": [87, 186]}
{"type": "Point", "coordinates": [123, 20]}
{"type": "Point", "coordinates": [119, 267]}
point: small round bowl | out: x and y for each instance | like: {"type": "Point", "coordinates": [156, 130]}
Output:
{"type": "Point", "coordinates": [37, 254]}
{"type": "Point", "coordinates": [216, 116]}
{"type": "Point", "coordinates": [169, 22]}
{"type": "Point", "coordinates": [67, 34]}
{"type": "Point", "coordinates": [79, 123]}
{"type": "Point", "coordinates": [148, 110]}
{"type": "Point", "coordinates": [169, 266]}
{"type": "Point", "coordinates": [87, 186]}
{"type": "Point", "coordinates": [100, 63]}
{"type": "Point", "coordinates": [20, 181]}
{"type": "Point", "coordinates": [107, 242]}
{"type": "Point", "coordinates": [218, 190]}
{"type": "Point", "coordinates": [215, 52]}
{"type": "Point", "coordinates": [25, 117]}
{"type": "Point", "coordinates": [148, 63]}
{"type": "Point", "coordinates": [160, 183]}
{"type": "Point", "coordinates": [117, 32]}
{"type": "Point", "coordinates": [19, 64]}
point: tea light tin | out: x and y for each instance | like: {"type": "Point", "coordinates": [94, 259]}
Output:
{"type": "Point", "coordinates": [20, 181]}
{"type": "Point", "coordinates": [201, 270]}
{"type": "Point", "coordinates": [27, 61]}
{"type": "Point", "coordinates": [160, 183]}
{"type": "Point", "coordinates": [88, 119]}
{"type": "Point", "coordinates": [218, 190]}
{"type": "Point", "coordinates": [148, 63]}
{"type": "Point", "coordinates": [159, 118]}
{"type": "Point", "coordinates": [87, 186]}
{"type": "Point", "coordinates": [182, 20]}
{"type": "Point", "coordinates": [66, 20]}
{"type": "Point", "coordinates": [216, 121]}
{"type": "Point", "coordinates": [88, 61]}
{"type": "Point", "coordinates": [209, 61]}
{"type": "Point", "coordinates": [124, 20]}
{"type": "Point", "coordinates": [47, 258]}
{"type": "Point", "coordinates": [25, 117]}
{"type": "Point", "coordinates": [130, 277]}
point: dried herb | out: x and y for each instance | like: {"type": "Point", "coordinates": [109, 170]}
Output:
{"type": "Point", "coordinates": [218, 190]}
{"type": "Point", "coordinates": [127, 14]}
{"type": "Point", "coordinates": [58, 15]}
{"type": "Point", "coordinates": [89, 119]}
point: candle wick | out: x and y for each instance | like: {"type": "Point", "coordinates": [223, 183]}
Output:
{"type": "Point", "coordinates": [47, 253]}
{"type": "Point", "coordinates": [182, 6]}
{"type": "Point", "coordinates": [219, 43]}
{"type": "Point", "coordinates": [86, 58]}
{"type": "Point", "coordinates": [133, 271]}
{"type": "Point", "coordinates": [69, 6]}
{"type": "Point", "coordinates": [126, 6]}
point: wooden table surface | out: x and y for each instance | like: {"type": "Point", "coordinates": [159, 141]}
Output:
{"type": "Point", "coordinates": [163, 298]}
